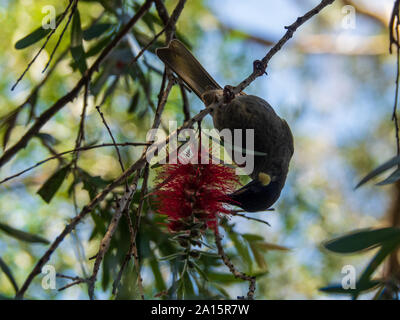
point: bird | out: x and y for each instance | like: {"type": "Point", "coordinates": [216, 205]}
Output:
{"type": "Point", "coordinates": [273, 139]}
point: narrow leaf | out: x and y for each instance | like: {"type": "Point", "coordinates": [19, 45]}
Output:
{"type": "Point", "coordinates": [252, 237]}
{"type": "Point", "coordinates": [35, 36]}
{"type": "Point", "coordinates": [386, 249]}
{"type": "Point", "coordinates": [271, 246]}
{"type": "Point", "coordinates": [242, 250]}
{"type": "Point", "coordinates": [10, 126]}
{"type": "Point", "coordinates": [382, 168]}
{"type": "Point", "coordinates": [77, 51]}
{"type": "Point", "coordinates": [362, 240]}
{"type": "Point", "coordinates": [51, 186]}
{"type": "Point", "coordinates": [22, 235]}
{"type": "Point", "coordinates": [258, 256]}
{"type": "Point", "coordinates": [338, 288]}
{"type": "Point", "coordinates": [8, 273]}
{"type": "Point", "coordinates": [95, 31]}
{"type": "Point", "coordinates": [395, 176]}
{"type": "Point", "coordinates": [134, 102]}
{"type": "Point", "coordinates": [200, 271]}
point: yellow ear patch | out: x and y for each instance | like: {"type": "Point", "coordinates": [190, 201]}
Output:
{"type": "Point", "coordinates": [264, 178]}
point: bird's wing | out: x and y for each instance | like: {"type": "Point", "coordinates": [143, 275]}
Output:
{"type": "Point", "coordinates": [186, 66]}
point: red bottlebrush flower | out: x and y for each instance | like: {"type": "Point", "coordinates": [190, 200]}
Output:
{"type": "Point", "coordinates": [194, 194]}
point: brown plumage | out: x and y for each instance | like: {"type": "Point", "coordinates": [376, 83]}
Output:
{"type": "Point", "coordinates": [272, 135]}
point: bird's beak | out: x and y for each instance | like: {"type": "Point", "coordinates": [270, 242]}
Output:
{"type": "Point", "coordinates": [264, 178]}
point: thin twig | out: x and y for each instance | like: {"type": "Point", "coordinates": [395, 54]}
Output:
{"type": "Point", "coordinates": [249, 218]}
{"type": "Point", "coordinates": [185, 101]}
{"type": "Point", "coordinates": [163, 97]}
{"type": "Point", "coordinates": [232, 269]}
{"type": "Point", "coordinates": [143, 50]}
{"type": "Point", "coordinates": [51, 149]}
{"type": "Point", "coordinates": [393, 24]}
{"type": "Point", "coordinates": [81, 133]}
{"type": "Point", "coordinates": [259, 67]}
{"type": "Point", "coordinates": [112, 137]}
{"type": "Point", "coordinates": [138, 165]}
{"type": "Point", "coordinates": [73, 283]}
{"type": "Point", "coordinates": [34, 92]}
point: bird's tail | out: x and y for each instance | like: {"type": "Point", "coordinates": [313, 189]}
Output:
{"type": "Point", "coordinates": [187, 67]}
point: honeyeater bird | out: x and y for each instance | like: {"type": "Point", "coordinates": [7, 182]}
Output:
{"type": "Point", "coordinates": [273, 140]}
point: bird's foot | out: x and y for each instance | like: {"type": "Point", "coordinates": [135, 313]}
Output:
{"type": "Point", "coordinates": [259, 68]}
{"type": "Point", "coordinates": [228, 94]}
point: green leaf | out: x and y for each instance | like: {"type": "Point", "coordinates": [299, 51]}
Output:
{"type": "Point", "coordinates": [384, 251]}
{"type": "Point", "coordinates": [77, 52]}
{"type": "Point", "coordinates": [382, 168]}
{"type": "Point", "coordinates": [173, 289]}
{"type": "Point", "coordinates": [95, 31]}
{"type": "Point", "coordinates": [10, 124]}
{"type": "Point", "coordinates": [209, 254]}
{"type": "Point", "coordinates": [48, 138]}
{"type": "Point", "coordinates": [134, 102]}
{"type": "Point", "coordinates": [200, 271]}
{"type": "Point", "coordinates": [32, 38]}
{"type": "Point", "coordinates": [98, 46]}
{"type": "Point", "coordinates": [362, 240]}
{"type": "Point", "coordinates": [267, 246]}
{"type": "Point", "coordinates": [144, 39]}
{"type": "Point", "coordinates": [188, 286]}
{"type": "Point", "coordinates": [258, 256]}
{"type": "Point", "coordinates": [170, 257]}
{"type": "Point", "coordinates": [35, 36]}
{"type": "Point", "coordinates": [8, 273]}
{"type": "Point", "coordinates": [222, 277]}
{"type": "Point", "coordinates": [184, 40]}
{"type": "Point", "coordinates": [50, 187]}
{"type": "Point", "coordinates": [155, 267]}
{"type": "Point", "coordinates": [395, 176]}
{"type": "Point", "coordinates": [22, 235]}
{"type": "Point", "coordinates": [222, 291]}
